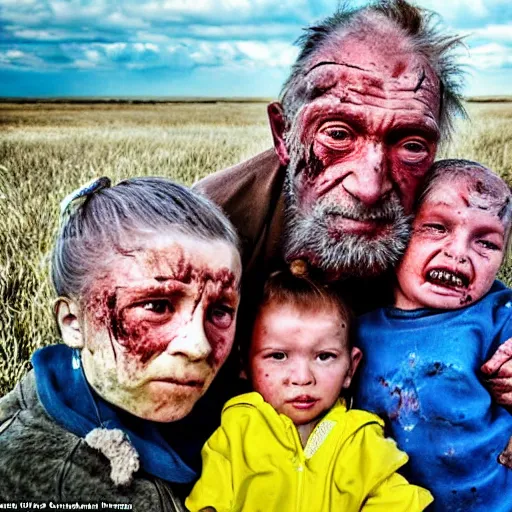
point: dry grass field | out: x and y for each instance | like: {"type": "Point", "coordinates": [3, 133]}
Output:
{"type": "Point", "coordinates": [47, 150]}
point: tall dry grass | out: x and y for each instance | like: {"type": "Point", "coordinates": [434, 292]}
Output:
{"type": "Point", "coordinates": [48, 150]}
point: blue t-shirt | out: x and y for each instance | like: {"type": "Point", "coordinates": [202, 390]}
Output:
{"type": "Point", "coordinates": [421, 373]}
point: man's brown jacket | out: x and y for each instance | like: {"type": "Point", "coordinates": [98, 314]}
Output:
{"type": "Point", "coordinates": [251, 195]}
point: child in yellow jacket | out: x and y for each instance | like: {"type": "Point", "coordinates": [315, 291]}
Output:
{"type": "Point", "coordinates": [292, 445]}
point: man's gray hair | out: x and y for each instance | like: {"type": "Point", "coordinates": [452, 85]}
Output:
{"type": "Point", "coordinates": [420, 30]}
{"type": "Point", "coordinates": [110, 219]}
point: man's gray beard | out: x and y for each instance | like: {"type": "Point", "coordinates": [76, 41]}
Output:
{"type": "Point", "coordinates": [309, 236]}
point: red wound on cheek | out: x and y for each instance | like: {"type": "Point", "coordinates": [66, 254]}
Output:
{"type": "Point", "coordinates": [144, 339]}
{"type": "Point", "coordinates": [223, 281]}
{"type": "Point", "coordinates": [221, 347]}
{"type": "Point", "coordinates": [101, 306]}
{"type": "Point", "coordinates": [130, 328]}
{"type": "Point", "coordinates": [135, 336]}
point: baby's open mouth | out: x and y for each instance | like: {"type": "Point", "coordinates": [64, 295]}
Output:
{"type": "Point", "coordinates": [448, 278]}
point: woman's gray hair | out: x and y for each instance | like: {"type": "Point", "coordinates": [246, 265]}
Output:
{"type": "Point", "coordinates": [105, 220]}
{"type": "Point", "coordinates": [418, 27]}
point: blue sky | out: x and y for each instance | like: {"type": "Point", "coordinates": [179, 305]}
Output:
{"type": "Point", "coordinates": [202, 47]}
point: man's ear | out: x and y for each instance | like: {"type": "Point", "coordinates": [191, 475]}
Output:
{"type": "Point", "coordinates": [67, 315]}
{"type": "Point", "coordinates": [356, 355]}
{"type": "Point", "coordinates": [278, 127]}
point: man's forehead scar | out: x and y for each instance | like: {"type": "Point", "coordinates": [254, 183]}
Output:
{"type": "Point", "coordinates": [422, 75]}
{"type": "Point", "coordinates": [384, 87]}
{"type": "Point", "coordinates": [420, 81]}
{"type": "Point", "coordinates": [333, 63]}
{"type": "Point", "coordinates": [370, 89]}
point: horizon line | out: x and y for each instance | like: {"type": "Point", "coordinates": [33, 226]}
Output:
{"type": "Point", "coordinates": [187, 99]}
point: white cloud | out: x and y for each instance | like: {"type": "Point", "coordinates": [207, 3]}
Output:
{"type": "Point", "coordinates": [142, 47]}
{"type": "Point", "coordinates": [84, 64]}
{"type": "Point", "coordinates": [40, 35]}
{"type": "Point", "coordinates": [270, 54]}
{"type": "Point", "coordinates": [19, 3]}
{"type": "Point", "coordinates": [122, 20]}
{"type": "Point", "coordinates": [212, 11]}
{"type": "Point", "coordinates": [494, 32]}
{"type": "Point", "coordinates": [178, 34]}
{"type": "Point", "coordinates": [244, 31]}
{"type": "Point", "coordinates": [14, 54]}
{"type": "Point", "coordinates": [92, 55]}
{"type": "Point", "coordinates": [152, 37]}
{"type": "Point", "coordinates": [249, 54]}
{"type": "Point", "coordinates": [489, 56]}
{"type": "Point", "coordinates": [454, 8]}
{"type": "Point", "coordinates": [68, 10]}
{"type": "Point", "coordinates": [113, 48]}
{"type": "Point", "coordinates": [19, 59]}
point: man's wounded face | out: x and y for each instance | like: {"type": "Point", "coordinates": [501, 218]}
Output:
{"type": "Point", "coordinates": [458, 242]}
{"type": "Point", "coordinates": [358, 149]}
{"type": "Point", "coordinates": [159, 322]}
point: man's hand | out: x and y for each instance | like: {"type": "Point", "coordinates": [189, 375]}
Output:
{"type": "Point", "coordinates": [499, 371]}
{"type": "Point", "coordinates": [505, 457]}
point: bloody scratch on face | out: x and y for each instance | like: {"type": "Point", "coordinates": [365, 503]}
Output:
{"type": "Point", "coordinates": [159, 321]}
{"type": "Point", "coordinates": [144, 338]}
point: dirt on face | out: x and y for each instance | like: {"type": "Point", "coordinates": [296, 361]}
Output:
{"type": "Point", "coordinates": [361, 144]}
{"type": "Point", "coordinates": [161, 323]}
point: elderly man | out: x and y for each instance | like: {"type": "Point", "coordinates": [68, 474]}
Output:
{"type": "Point", "coordinates": [369, 98]}
{"type": "Point", "coordinates": [357, 128]}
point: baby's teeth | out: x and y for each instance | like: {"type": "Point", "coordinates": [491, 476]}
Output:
{"type": "Point", "coordinates": [447, 277]}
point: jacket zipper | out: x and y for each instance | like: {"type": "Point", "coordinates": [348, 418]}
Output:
{"type": "Point", "coordinates": [300, 467]}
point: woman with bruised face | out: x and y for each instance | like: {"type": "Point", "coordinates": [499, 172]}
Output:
{"type": "Point", "coordinates": [147, 275]}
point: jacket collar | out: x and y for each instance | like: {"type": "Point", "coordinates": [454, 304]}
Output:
{"type": "Point", "coordinates": [72, 403]}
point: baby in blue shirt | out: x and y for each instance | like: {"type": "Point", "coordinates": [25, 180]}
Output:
{"type": "Point", "coordinates": [422, 356]}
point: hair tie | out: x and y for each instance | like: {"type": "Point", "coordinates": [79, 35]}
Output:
{"type": "Point", "coordinates": [73, 201]}
{"type": "Point", "coordinates": [299, 268]}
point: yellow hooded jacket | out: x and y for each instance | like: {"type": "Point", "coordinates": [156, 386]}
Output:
{"type": "Point", "coordinates": [255, 462]}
